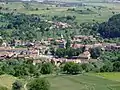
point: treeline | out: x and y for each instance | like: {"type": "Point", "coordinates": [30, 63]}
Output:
{"type": "Point", "coordinates": [21, 68]}
{"type": "Point", "coordinates": [86, 11]}
{"type": "Point", "coordinates": [68, 52]}
{"type": "Point", "coordinates": [21, 26]}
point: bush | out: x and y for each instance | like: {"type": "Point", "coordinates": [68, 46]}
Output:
{"type": "Point", "coordinates": [17, 85]}
{"type": "Point", "coordinates": [72, 68]}
{"type": "Point", "coordinates": [47, 68]}
{"type": "Point", "coordinates": [87, 67]}
{"type": "Point", "coordinates": [39, 84]}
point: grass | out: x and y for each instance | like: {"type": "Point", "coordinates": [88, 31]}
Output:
{"type": "Point", "coordinates": [82, 82]}
{"type": "Point", "coordinates": [75, 82]}
{"type": "Point", "coordinates": [111, 76]}
{"type": "Point", "coordinates": [6, 81]}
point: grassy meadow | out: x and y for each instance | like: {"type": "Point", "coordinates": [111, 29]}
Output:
{"type": "Point", "coordinates": [100, 81]}
{"type": "Point", "coordinates": [115, 76]}
{"type": "Point", "coordinates": [6, 81]}
{"type": "Point", "coordinates": [83, 82]}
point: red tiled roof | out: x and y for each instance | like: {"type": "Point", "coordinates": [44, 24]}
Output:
{"type": "Point", "coordinates": [77, 45]}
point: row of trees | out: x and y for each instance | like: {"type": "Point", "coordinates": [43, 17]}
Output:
{"type": "Point", "coordinates": [21, 68]}
{"type": "Point", "coordinates": [35, 84]}
{"type": "Point", "coordinates": [68, 52]}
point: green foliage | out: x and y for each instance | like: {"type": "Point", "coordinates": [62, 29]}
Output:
{"type": "Point", "coordinates": [87, 67]}
{"type": "Point", "coordinates": [87, 11]}
{"type": "Point", "coordinates": [19, 68]}
{"type": "Point", "coordinates": [17, 85]}
{"type": "Point", "coordinates": [110, 55]}
{"type": "Point", "coordinates": [111, 28]}
{"type": "Point", "coordinates": [116, 66]}
{"type": "Point", "coordinates": [68, 44]}
{"type": "Point", "coordinates": [46, 68]}
{"type": "Point", "coordinates": [1, 41]}
{"type": "Point", "coordinates": [24, 27]}
{"type": "Point", "coordinates": [68, 52]}
{"type": "Point", "coordinates": [64, 18]}
{"type": "Point", "coordinates": [107, 67]}
{"type": "Point", "coordinates": [39, 84]}
{"type": "Point", "coordinates": [72, 68]}
{"type": "Point", "coordinates": [95, 52]}
{"type": "Point", "coordinates": [60, 52]}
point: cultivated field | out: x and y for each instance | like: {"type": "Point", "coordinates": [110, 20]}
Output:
{"type": "Point", "coordinates": [83, 82]}
{"type": "Point", "coordinates": [102, 11]}
{"type": "Point", "coordinates": [115, 76]}
{"type": "Point", "coordinates": [101, 81]}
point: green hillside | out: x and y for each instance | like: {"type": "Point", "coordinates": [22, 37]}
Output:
{"type": "Point", "coordinates": [77, 82]}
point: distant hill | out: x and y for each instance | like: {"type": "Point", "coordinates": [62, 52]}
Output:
{"type": "Point", "coordinates": [64, 0]}
{"type": "Point", "coordinates": [9, 0]}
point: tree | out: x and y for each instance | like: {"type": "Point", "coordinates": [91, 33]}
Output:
{"type": "Point", "coordinates": [47, 68]}
{"type": "Point", "coordinates": [95, 52]}
{"type": "Point", "coordinates": [116, 66]}
{"type": "Point", "coordinates": [60, 52]}
{"type": "Point", "coordinates": [52, 51]}
{"type": "Point", "coordinates": [87, 67]}
{"type": "Point", "coordinates": [68, 44]}
{"type": "Point", "coordinates": [76, 68]}
{"type": "Point", "coordinates": [107, 67]}
{"type": "Point", "coordinates": [72, 68]}
{"type": "Point", "coordinates": [1, 8]}
{"type": "Point", "coordinates": [39, 84]}
{"type": "Point", "coordinates": [1, 41]}
{"type": "Point", "coordinates": [17, 85]}
{"type": "Point", "coordinates": [37, 9]}
{"type": "Point", "coordinates": [111, 28]}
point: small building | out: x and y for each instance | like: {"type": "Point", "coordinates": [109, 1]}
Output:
{"type": "Point", "coordinates": [85, 56]}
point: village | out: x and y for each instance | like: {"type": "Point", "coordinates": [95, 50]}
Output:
{"type": "Point", "coordinates": [38, 50]}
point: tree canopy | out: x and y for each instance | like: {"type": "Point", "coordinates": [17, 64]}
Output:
{"type": "Point", "coordinates": [111, 28]}
{"type": "Point", "coordinates": [39, 84]}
